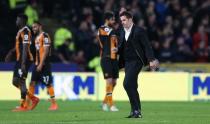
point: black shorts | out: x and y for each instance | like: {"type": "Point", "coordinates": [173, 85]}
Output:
{"type": "Point", "coordinates": [110, 68]}
{"type": "Point", "coordinates": [18, 73]}
{"type": "Point", "coordinates": [44, 76]}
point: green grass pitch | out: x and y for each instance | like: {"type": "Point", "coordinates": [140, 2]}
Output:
{"type": "Point", "coordinates": [89, 112]}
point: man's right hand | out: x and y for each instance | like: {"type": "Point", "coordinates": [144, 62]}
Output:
{"type": "Point", "coordinates": [154, 64]}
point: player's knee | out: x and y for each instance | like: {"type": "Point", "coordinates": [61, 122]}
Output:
{"type": "Point", "coordinates": [23, 86]}
{"type": "Point", "coordinates": [109, 80]}
{"type": "Point", "coordinates": [16, 82]}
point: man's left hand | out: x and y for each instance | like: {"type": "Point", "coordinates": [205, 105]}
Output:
{"type": "Point", "coordinates": [39, 68]}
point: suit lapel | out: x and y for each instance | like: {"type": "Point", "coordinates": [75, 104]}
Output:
{"type": "Point", "coordinates": [131, 34]}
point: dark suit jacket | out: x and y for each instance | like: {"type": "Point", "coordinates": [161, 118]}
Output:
{"type": "Point", "coordinates": [140, 43]}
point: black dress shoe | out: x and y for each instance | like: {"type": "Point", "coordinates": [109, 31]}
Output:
{"type": "Point", "coordinates": [135, 114]}
{"type": "Point", "coordinates": [131, 115]}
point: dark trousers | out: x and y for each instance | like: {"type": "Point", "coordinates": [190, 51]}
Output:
{"type": "Point", "coordinates": [132, 69]}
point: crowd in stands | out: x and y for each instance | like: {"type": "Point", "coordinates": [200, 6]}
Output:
{"type": "Point", "coordinates": [179, 30]}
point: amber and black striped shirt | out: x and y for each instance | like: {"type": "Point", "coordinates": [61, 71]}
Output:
{"type": "Point", "coordinates": [107, 40]}
{"type": "Point", "coordinates": [41, 41]}
{"type": "Point", "coordinates": [23, 37]}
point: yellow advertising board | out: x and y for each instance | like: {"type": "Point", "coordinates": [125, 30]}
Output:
{"type": "Point", "coordinates": [154, 87]}
{"type": "Point", "coordinates": [168, 86]}
{"type": "Point", "coordinates": [72, 86]}
{"type": "Point", "coordinates": [7, 90]}
{"type": "Point", "coordinates": [186, 67]}
{"type": "Point", "coordinates": [158, 86]}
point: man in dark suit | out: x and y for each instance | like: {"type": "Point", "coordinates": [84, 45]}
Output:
{"type": "Point", "coordinates": [135, 52]}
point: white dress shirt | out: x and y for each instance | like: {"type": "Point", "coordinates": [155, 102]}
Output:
{"type": "Point", "coordinates": [127, 32]}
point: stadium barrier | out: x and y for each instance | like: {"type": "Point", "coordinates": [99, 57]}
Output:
{"type": "Point", "coordinates": [158, 86]}
{"type": "Point", "coordinates": [185, 67]}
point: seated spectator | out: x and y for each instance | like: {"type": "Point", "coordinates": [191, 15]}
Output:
{"type": "Point", "coordinates": [187, 37]}
{"type": "Point", "coordinates": [200, 36]}
{"type": "Point", "coordinates": [166, 52]}
{"type": "Point", "coordinates": [201, 53]}
{"type": "Point", "coordinates": [183, 52]}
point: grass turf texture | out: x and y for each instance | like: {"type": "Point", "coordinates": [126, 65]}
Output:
{"type": "Point", "coordinates": [88, 112]}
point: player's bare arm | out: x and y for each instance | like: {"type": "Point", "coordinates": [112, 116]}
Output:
{"type": "Point", "coordinates": [114, 38]}
{"type": "Point", "coordinates": [9, 55]}
{"type": "Point", "coordinates": [24, 57]}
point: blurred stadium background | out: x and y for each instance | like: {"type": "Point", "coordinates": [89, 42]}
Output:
{"type": "Point", "coordinates": [179, 31]}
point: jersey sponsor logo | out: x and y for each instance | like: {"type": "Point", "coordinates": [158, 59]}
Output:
{"type": "Point", "coordinates": [25, 37]}
{"type": "Point", "coordinates": [46, 40]}
{"type": "Point", "coordinates": [106, 29]}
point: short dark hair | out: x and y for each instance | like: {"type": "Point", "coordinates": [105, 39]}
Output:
{"type": "Point", "coordinates": [38, 22]}
{"type": "Point", "coordinates": [127, 14]}
{"type": "Point", "coordinates": [108, 15]}
{"type": "Point", "coordinates": [23, 17]}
